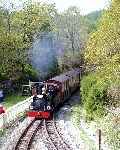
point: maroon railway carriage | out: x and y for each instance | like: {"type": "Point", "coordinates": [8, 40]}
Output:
{"type": "Point", "coordinates": [66, 83]}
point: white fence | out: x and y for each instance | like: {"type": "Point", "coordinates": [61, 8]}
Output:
{"type": "Point", "coordinates": [13, 112]}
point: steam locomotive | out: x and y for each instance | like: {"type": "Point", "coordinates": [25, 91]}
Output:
{"type": "Point", "coordinates": [54, 92]}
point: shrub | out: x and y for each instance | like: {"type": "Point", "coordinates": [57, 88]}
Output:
{"type": "Point", "coordinates": [86, 83]}
{"type": "Point", "coordinates": [29, 70]}
{"type": "Point", "coordinates": [94, 95]}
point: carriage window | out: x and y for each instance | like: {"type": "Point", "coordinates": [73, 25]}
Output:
{"type": "Point", "coordinates": [68, 86]}
{"type": "Point", "coordinates": [64, 86]}
{"type": "Point", "coordinates": [72, 81]}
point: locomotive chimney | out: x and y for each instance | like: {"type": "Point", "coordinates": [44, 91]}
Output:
{"type": "Point", "coordinates": [34, 91]}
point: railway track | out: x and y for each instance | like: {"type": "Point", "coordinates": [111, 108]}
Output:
{"type": "Point", "coordinates": [54, 137]}
{"type": "Point", "coordinates": [26, 138]}
{"type": "Point", "coordinates": [54, 140]}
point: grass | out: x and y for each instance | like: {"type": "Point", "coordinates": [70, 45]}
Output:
{"type": "Point", "coordinates": [13, 99]}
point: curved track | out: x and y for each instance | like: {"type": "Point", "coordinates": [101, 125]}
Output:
{"type": "Point", "coordinates": [54, 140]}
{"type": "Point", "coordinates": [25, 140]}
{"type": "Point", "coordinates": [54, 136]}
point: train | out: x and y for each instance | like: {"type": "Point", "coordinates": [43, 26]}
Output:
{"type": "Point", "coordinates": [54, 93]}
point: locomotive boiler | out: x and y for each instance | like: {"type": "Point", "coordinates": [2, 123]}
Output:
{"type": "Point", "coordinates": [54, 93]}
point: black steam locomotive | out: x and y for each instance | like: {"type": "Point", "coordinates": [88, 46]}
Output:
{"type": "Point", "coordinates": [54, 92]}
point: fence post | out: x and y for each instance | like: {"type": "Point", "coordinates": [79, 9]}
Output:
{"type": "Point", "coordinates": [99, 138]}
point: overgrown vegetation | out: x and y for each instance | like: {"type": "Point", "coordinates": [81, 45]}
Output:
{"type": "Point", "coordinates": [99, 88]}
{"type": "Point", "coordinates": [93, 19]}
{"type": "Point", "coordinates": [72, 31]}
{"type": "Point", "coordinates": [94, 95]}
{"type": "Point", "coordinates": [110, 126]}
{"type": "Point", "coordinates": [18, 28]}
{"type": "Point", "coordinates": [2, 132]}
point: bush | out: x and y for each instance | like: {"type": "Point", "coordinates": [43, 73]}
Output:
{"type": "Point", "coordinates": [101, 88]}
{"type": "Point", "coordinates": [94, 95]}
{"type": "Point", "coordinates": [30, 71]}
{"type": "Point", "coordinates": [86, 83]}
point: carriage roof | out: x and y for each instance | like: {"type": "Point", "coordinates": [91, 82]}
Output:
{"type": "Point", "coordinates": [67, 75]}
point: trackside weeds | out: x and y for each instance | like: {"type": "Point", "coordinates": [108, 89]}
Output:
{"type": "Point", "coordinates": [109, 126]}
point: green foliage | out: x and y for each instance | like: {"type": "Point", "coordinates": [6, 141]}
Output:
{"type": "Point", "coordinates": [101, 88]}
{"type": "Point", "coordinates": [72, 32]}
{"type": "Point", "coordinates": [102, 56]}
{"type": "Point", "coordinates": [75, 29]}
{"type": "Point", "coordinates": [94, 16]}
{"type": "Point", "coordinates": [70, 60]}
{"type": "Point", "coordinates": [94, 95]}
{"type": "Point", "coordinates": [18, 28]}
{"type": "Point", "coordinates": [11, 55]}
{"type": "Point", "coordinates": [104, 43]}
{"type": "Point", "coordinates": [86, 83]}
{"type": "Point", "coordinates": [53, 71]}
{"type": "Point", "coordinates": [93, 19]}
{"type": "Point", "coordinates": [2, 132]}
{"type": "Point", "coordinates": [110, 126]}
{"type": "Point", "coordinates": [29, 72]}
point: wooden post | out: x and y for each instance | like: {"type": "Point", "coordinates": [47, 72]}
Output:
{"type": "Point", "coordinates": [99, 138]}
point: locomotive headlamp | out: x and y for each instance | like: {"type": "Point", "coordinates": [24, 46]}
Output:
{"type": "Point", "coordinates": [48, 107]}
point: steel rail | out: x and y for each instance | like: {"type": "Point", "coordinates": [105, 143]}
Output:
{"type": "Point", "coordinates": [54, 136]}
{"type": "Point", "coordinates": [26, 138]}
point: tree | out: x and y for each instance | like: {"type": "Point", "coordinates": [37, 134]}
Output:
{"type": "Point", "coordinates": [18, 29]}
{"type": "Point", "coordinates": [72, 29]}
{"type": "Point", "coordinates": [72, 33]}
{"type": "Point", "coordinates": [102, 57]}
{"type": "Point", "coordinates": [93, 20]}
{"type": "Point", "coordinates": [104, 43]}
